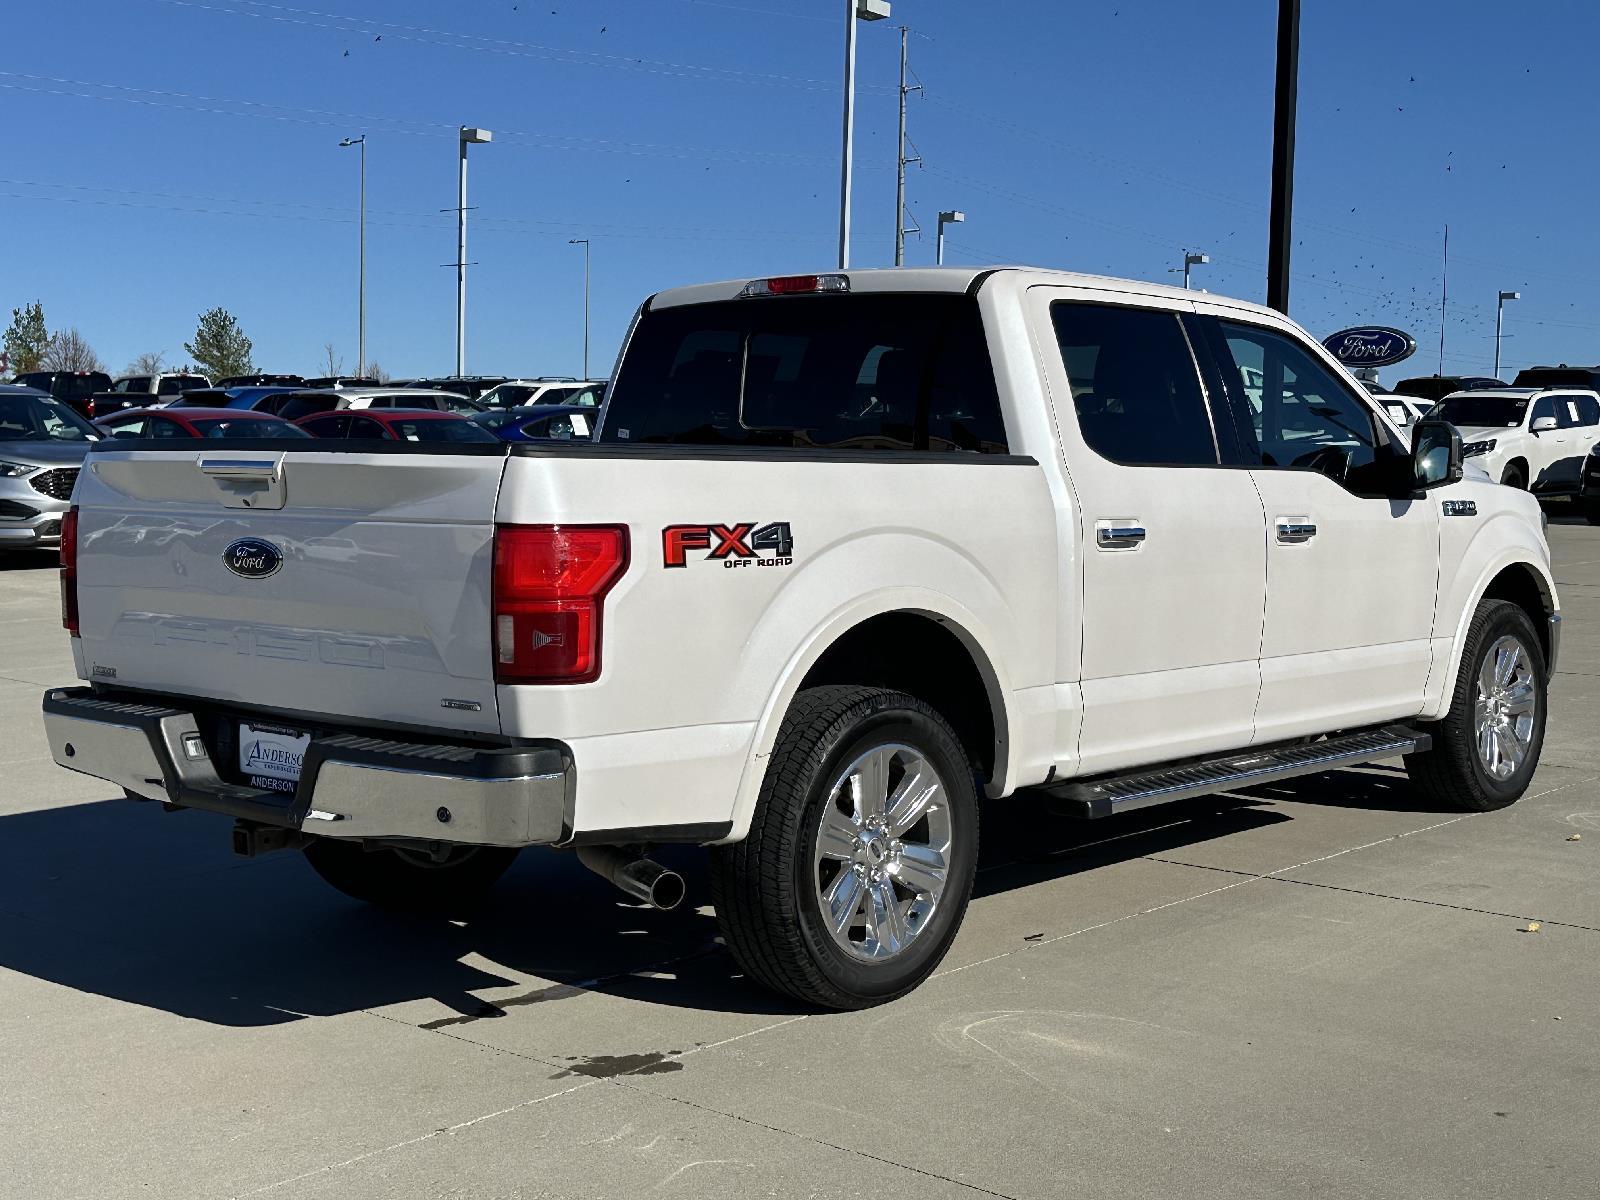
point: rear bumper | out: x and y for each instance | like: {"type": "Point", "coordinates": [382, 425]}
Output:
{"type": "Point", "coordinates": [351, 786]}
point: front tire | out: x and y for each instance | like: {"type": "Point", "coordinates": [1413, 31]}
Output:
{"type": "Point", "coordinates": [1487, 747]}
{"type": "Point", "coordinates": [407, 880]}
{"type": "Point", "coordinates": [856, 872]}
{"type": "Point", "coordinates": [1591, 510]}
{"type": "Point", "coordinates": [1515, 476]}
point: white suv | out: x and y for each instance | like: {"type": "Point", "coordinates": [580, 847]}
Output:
{"type": "Point", "coordinates": [1530, 438]}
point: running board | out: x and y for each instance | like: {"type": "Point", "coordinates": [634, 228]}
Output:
{"type": "Point", "coordinates": [1108, 794]}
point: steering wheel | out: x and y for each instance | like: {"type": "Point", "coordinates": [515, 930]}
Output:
{"type": "Point", "coordinates": [1332, 461]}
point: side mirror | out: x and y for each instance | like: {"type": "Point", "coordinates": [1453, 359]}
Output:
{"type": "Point", "coordinates": [1435, 454]}
{"type": "Point", "coordinates": [1543, 424]}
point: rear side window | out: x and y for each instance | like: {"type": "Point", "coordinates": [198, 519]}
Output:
{"type": "Point", "coordinates": [332, 426]}
{"type": "Point", "coordinates": [366, 427]}
{"type": "Point", "coordinates": [441, 431]}
{"type": "Point", "coordinates": [294, 406]}
{"type": "Point", "coordinates": [861, 373]}
{"type": "Point", "coordinates": [1134, 385]}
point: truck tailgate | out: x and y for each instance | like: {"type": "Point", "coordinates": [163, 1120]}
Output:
{"type": "Point", "coordinates": [329, 582]}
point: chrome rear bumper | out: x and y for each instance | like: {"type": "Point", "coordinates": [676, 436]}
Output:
{"type": "Point", "coordinates": [351, 786]}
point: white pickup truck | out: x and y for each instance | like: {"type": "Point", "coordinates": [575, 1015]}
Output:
{"type": "Point", "coordinates": [851, 556]}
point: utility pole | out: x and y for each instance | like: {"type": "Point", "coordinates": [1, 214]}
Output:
{"type": "Point", "coordinates": [469, 136]}
{"type": "Point", "coordinates": [1444, 295]}
{"type": "Point", "coordinates": [584, 242]}
{"type": "Point", "coordinates": [900, 227]}
{"type": "Point", "coordinates": [865, 10]}
{"type": "Point", "coordinates": [1280, 232]}
{"type": "Point", "coordinates": [361, 300]}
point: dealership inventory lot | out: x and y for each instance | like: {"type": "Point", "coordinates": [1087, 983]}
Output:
{"type": "Point", "coordinates": [1318, 988]}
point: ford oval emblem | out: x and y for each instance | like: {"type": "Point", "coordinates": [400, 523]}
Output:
{"type": "Point", "coordinates": [252, 557]}
{"type": "Point", "coordinates": [1370, 346]}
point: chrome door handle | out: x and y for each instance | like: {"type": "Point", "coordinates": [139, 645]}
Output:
{"type": "Point", "coordinates": [1292, 532]}
{"type": "Point", "coordinates": [1118, 537]}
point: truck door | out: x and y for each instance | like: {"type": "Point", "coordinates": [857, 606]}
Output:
{"type": "Point", "coordinates": [1172, 556]}
{"type": "Point", "coordinates": [1352, 571]}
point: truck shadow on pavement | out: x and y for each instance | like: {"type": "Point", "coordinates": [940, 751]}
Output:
{"type": "Point", "coordinates": [120, 899]}
{"type": "Point", "coordinates": [29, 560]}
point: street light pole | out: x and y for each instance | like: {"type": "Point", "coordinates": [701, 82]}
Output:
{"type": "Point", "coordinates": [1192, 260]}
{"type": "Point", "coordinates": [1499, 314]}
{"type": "Point", "coordinates": [866, 10]}
{"type": "Point", "coordinates": [584, 242]}
{"type": "Point", "coordinates": [953, 217]}
{"type": "Point", "coordinates": [469, 136]}
{"type": "Point", "coordinates": [1285, 98]}
{"type": "Point", "coordinates": [361, 302]}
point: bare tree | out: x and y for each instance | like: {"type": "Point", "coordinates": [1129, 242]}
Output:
{"type": "Point", "coordinates": [335, 363]}
{"type": "Point", "coordinates": [151, 362]}
{"type": "Point", "coordinates": [374, 371]}
{"type": "Point", "coordinates": [70, 351]}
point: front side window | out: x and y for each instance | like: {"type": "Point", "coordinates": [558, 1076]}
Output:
{"type": "Point", "coordinates": [247, 427]}
{"type": "Point", "coordinates": [1134, 385]}
{"type": "Point", "coordinates": [126, 427]}
{"type": "Point", "coordinates": [1544, 406]}
{"type": "Point", "coordinates": [164, 427]}
{"type": "Point", "coordinates": [1297, 413]}
{"type": "Point", "coordinates": [425, 430]}
{"type": "Point", "coordinates": [366, 427]}
{"type": "Point", "coordinates": [134, 383]}
{"type": "Point", "coordinates": [332, 426]}
{"type": "Point", "coordinates": [855, 372]}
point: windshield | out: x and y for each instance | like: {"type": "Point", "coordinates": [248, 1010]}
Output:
{"type": "Point", "coordinates": [36, 419]}
{"type": "Point", "coordinates": [1500, 411]}
{"type": "Point", "coordinates": [508, 395]}
{"type": "Point", "coordinates": [435, 430]}
{"type": "Point", "coordinates": [246, 427]}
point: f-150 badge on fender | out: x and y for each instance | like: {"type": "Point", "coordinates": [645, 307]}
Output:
{"type": "Point", "coordinates": [252, 557]}
{"type": "Point", "coordinates": [741, 544]}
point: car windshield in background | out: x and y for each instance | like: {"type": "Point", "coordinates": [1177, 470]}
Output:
{"type": "Point", "coordinates": [36, 419]}
{"type": "Point", "coordinates": [246, 427]}
{"type": "Point", "coordinates": [1467, 411]}
{"type": "Point", "coordinates": [508, 395]}
{"type": "Point", "coordinates": [589, 397]}
{"type": "Point", "coordinates": [861, 373]}
{"type": "Point", "coordinates": [441, 431]}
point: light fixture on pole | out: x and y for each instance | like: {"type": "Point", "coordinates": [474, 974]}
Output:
{"type": "Point", "coordinates": [469, 136]}
{"type": "Point", "coordinates": [1192, 260]}
{"type": "Point", "coordinates": [361, 293]}
{"type": "Point", "coordinates": [1499, 314]}
{"type": "Point", "coordinates": [584, 242]}
{"type": "Point", "coordinates": [953, 217]}
{"type": "Point", "coordinates": [864, 10]}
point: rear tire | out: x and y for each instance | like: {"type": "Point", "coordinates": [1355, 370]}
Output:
{"type": "Point", "coordinates": [1591, 510]}
{"type": "Point", "coordinates": [856, 872]}
{"type": "Point", "coordinates": [408, 880]}
{"type": "Point", "coordinates": [1487, 747]}
{"type": "Point", "coordinates": [1515, 477]}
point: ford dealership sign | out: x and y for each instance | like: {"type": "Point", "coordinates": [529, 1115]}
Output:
{"type": "Point", "coordinates": [1370, 346]}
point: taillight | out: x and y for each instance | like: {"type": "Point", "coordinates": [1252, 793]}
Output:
{"type": "Point", "coordinates": [69, 571]}
{"type": "Point", "coordinates": [550, 582]}
{"type": "Point", "coordinates": [796, 285]}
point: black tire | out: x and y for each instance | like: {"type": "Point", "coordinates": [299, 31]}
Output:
{"type": "Point", "coordinates": [1516, 477]}
{"type": "Point", "coordinates": [1591, 509]}
{"type": "Point", "coordinates": [1453, 773]}
{"type": "Point", "coordinates": [765, 888]}
{"type": "Point", "coordinates": [408, 880]}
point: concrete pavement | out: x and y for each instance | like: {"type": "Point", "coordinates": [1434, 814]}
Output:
{"type": "Point", "coordinates": [1318, 989]}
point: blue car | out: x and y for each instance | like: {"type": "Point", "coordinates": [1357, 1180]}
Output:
{"type": "Point", "coordinates": [237, 397]}
{"type": "Point", "coordinates": [541, 422]}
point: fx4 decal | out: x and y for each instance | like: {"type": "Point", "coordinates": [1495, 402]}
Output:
{"type": "Point", "coordinates": [738, 545]}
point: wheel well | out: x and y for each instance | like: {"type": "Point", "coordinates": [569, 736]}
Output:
{"type": "Point", "coordinates": [921, 656]}
{"type": "Point", "coordinates": [1520, 463]}
{"type": "Point", "coordinates": [1521, 586]}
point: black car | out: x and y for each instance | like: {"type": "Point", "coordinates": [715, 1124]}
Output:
{"type": "Point", "coordinates": [1559, 376]}
{"type": "Point", "coordinates": [470, 386]}
{"type": "Point", "coordinates": [70, 387]}
{"type": "Point", "coordinates": [1433, 388]}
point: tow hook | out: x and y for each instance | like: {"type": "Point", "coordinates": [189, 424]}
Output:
{"type": "Point", "coordinates": [251, 840]}
{"type": "Point", "coordinates": [641, 877]}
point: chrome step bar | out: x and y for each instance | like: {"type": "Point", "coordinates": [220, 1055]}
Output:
{"type": "Point", "coordinates": [1106, 795]}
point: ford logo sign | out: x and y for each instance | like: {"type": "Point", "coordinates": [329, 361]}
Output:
{"type": "Point", "coordinates": [1370, 346]}
{"type": "Point", "coordinates": [252, 557]}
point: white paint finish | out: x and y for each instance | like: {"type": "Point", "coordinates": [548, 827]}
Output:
{"type": "Point", "coordinates": [1365, 579]}
{"type": "Point", "coordinates": [380, 610]}
{"type": "Point", "coordinates": [1136, 719]}
{"type": "Point", "coordinates": [1554, 457]}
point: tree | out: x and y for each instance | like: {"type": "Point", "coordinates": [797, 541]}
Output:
{"type": "Point", "coordinates": [335, 363]}
{"type": "Point", "coordinates": [151, 362]}
{"type": "Point", "coordinates": [220, 347]}
{"type": "Point", "coordinates": [69, 350]}
{"type": "Point", "coordinates": [27, 339]}
{"type": "Point", "coordinates": [374, 371]}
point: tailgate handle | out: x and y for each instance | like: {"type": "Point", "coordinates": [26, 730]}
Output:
{"type": "Point", "coordinates": [239, 468]}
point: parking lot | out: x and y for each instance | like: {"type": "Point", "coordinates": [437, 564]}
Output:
{"type": "Point", "coordinates": [1318, 989]}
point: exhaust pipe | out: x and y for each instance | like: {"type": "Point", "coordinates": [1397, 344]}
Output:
{"type": "Point", "coordinates": [640, 877]}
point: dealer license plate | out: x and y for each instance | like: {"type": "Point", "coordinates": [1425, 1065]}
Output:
{"type": "Point", "coordinates": [270, 756]}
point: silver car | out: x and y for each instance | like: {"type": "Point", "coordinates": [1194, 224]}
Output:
{"type": "Point", "coordinates": [42, 444]}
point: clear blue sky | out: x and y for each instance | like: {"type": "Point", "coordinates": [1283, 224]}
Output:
{"type": "Point", "coordinates": [165, 156]}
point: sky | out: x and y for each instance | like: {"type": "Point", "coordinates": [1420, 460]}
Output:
{"type": "Point", "coordinates": [167, 156]}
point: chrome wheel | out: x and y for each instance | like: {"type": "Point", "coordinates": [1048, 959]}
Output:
{"type": "Point", "coordinates": [882, 852]}
{"type": "Point", "coordinates": [1505, 711]}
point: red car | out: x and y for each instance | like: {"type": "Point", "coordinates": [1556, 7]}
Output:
{"type": "Point", "coordinates": [196, 423]}
{"type": "Point", "coordinates": [396, 425]}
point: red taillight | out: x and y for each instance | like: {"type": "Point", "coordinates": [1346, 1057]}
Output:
{"type": "Point", "coordinates": [69, 571]}
{"type": "Point", "coordinates": [796, 285]}
{"type": "Point", "coordinates": [549, 585]}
